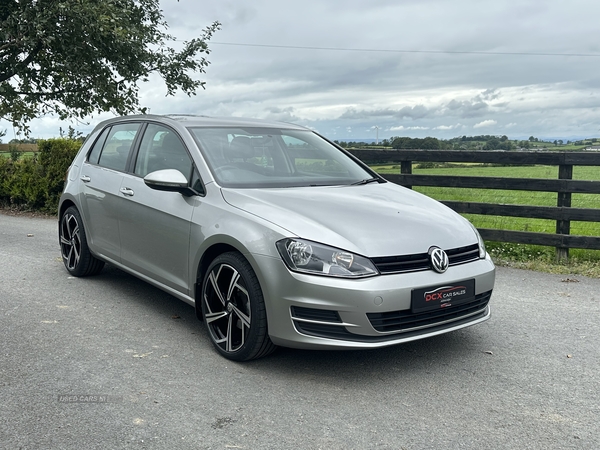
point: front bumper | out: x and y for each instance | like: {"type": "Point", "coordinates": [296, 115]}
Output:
{"type": "Point", "coordinates": [318, 312]}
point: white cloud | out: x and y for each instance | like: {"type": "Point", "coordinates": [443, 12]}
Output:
{"type": "Point", "coordinates": [447, 127]}
{"type": "Point", "coordinates": [485, 123]}
{"type": "Point", "coordinates": [402, 128]}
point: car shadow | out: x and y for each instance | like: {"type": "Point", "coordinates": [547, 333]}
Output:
{"type": "Point", "coordinates": [137, 292]}
{"type": "Point", "coordinates": [455, 350]}
{"type": "Point", "coordinates": [417, 357]}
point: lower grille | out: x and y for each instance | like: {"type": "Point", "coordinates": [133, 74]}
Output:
{"type": "Point", "coordinates": [316, 322]}
{"type": "Point", "coordinates": [327, 323]}
{"type": "Point", "coordinates": [323, 330]}
{"type": "Point", "coordinates": [407, 320]}
{"type": "Point", "coordinates": [319, 315]}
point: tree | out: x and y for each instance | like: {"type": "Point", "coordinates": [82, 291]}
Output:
{"type": "Point", "coordinates": [76, 57]}
{"type": "Point", "coordinates": [431, 143]}
{"type": "Point", "coordinates": [492, 144]}
{"type": "Point", "coordinates": [401, 142]}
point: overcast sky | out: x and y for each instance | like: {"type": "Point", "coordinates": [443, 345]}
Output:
{"type": "Point", "coordinates": [409, 67]}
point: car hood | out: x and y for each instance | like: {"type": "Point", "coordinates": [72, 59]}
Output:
{"type": "Point", "coordinates": [371, 220]}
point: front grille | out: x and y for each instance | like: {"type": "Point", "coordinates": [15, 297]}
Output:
{"type": "Point", "coordinates": [407, 320]}
{"type": "Point", "coordinates": [463, 255]}
{"type": "Point", "coordinates": [420, 261]}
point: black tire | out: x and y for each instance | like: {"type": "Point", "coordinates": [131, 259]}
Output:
{"type": "Point", "coordinates": [234, 309]}
{"type": "Point", "coordinates": [75, 252]}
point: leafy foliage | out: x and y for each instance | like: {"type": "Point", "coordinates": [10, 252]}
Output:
{"type": "Point", "coordinates": [498, 144]}
{"type": "Point", "coordinates": [75, 57]}
{"type": "Point", "coordinates": [37, 182]}
{"type": "Point", "coordinates": [15, 154]}
{"type": "Point", "coordinates": [429, 143]}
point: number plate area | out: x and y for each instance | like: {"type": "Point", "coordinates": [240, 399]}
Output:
{"type": "Point", "coordinates": [440, 297]}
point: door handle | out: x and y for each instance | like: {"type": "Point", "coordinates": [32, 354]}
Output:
{"type": "Point", "coordinates": [126, 191]}
{"type": "Point", "coordinates": [85, 179]}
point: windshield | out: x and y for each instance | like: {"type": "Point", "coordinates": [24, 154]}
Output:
{"type": "Point", "coordinates": [259, 157]}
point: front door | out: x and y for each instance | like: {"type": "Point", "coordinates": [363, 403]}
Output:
{"type": "Point", "coordinates": [155, 225]}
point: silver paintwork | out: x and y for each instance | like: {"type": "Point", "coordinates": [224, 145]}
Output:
{"type": "Point", "coordinates": [167, 178]}
{"type": "Point", "coordinates": [162, 237]}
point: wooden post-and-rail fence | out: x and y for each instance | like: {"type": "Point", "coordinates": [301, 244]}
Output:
{"type": "Point", "coordinates": [564, 186]}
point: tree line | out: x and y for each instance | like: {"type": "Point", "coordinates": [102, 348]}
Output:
{"type": "Point", "coordinates": [481, 142]}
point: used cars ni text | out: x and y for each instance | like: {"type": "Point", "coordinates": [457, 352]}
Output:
{"type": "Point", "coordinates": [274, 234]}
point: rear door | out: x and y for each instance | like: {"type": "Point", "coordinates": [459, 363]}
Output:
{"type": "Point", "coordinates": [102, 175]}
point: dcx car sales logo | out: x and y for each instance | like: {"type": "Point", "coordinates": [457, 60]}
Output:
{"type": "Point", "coordinates": [444, 295]}
{"type": "Point", "coordinates": [439, 259]}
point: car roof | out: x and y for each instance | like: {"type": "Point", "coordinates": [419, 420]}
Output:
{"type": "Point", "coordinates": [190, 120]}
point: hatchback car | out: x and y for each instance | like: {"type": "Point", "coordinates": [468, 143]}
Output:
{"type": "Point", "coordinates": [274, 234]}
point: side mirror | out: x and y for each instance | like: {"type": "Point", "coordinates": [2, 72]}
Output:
{"type": "Point", "coordinates": [167, 180]}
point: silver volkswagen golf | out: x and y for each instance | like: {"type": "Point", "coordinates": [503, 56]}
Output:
{"type": "Point", "coordinates": [274, 234]}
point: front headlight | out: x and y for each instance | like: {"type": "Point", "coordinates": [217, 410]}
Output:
{"type": "Point", "coordinates": [482, 251]}
{"type": "Point", "coordinates": [318, 259]}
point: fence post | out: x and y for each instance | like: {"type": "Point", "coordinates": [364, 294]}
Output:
{"type": "Point", "coordinates": [565, 172]}
{"type": "Point", "coordinates": [406, 169]}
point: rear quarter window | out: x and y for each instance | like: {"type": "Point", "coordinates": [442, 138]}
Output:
{"type": "Point", "coordinates": [94, 154]}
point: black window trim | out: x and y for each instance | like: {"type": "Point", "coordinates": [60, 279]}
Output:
{"type": "Point", "coordinates": [87, 156]}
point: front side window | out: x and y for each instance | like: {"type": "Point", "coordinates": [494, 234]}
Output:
{"type": "Point", "coordinates": [259, 157]}
{"type": "Point", "coordinates": [118, 145]}
{"type": "Point", "coordinates": [161, 148]}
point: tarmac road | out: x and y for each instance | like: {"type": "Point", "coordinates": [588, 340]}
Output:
{"type": "Point", "coordinates": [111, 362]}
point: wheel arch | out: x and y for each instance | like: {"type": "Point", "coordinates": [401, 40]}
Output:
{"type": "Point", "coordinates": [67, 203]}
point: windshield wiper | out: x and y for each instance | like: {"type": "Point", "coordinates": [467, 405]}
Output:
{"type": "Point", "coordinates": [367, 181]}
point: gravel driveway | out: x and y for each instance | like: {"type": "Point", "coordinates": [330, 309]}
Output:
{"type": "Point", "coordinates": [111, 362]}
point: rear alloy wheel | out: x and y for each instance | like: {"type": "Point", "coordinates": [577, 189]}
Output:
{"type": "Point", "coordinates": [76, 255]}
{"type": "Point", "coordinates": [234, 309]}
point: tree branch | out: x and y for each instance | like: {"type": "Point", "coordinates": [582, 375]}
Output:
{"type": "Point", "coordinates": [17, 67]}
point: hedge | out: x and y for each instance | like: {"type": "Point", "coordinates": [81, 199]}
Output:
{"type": "Point", "coordinates": [37, 182]}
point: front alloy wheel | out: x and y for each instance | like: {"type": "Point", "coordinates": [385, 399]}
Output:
{"type": "Point", "coordinates": [233, 309]}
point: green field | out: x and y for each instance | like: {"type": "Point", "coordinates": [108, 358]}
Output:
{"type": "Point", "coordinates": [23, 154]}
{"type": "Point", "coordinates": [506, 250]}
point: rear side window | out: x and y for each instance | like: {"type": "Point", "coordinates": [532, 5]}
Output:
{"type": "Point", "coordinates": [97, 148]}
{"type": "Point", "coordinates": [118, 144]}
